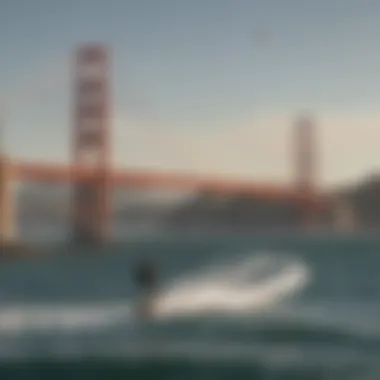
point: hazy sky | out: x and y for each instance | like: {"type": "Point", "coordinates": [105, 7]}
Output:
{"type": "Point", "coordinates": [203, 85]}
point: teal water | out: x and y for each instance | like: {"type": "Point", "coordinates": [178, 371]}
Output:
{"type": "Point", "coordinates": [264, 307]}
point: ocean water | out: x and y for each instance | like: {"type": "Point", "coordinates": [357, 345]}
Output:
{"type": "Point", "coordinates": [241, 306]}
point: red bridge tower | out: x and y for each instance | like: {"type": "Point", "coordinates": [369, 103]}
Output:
{"type": "Point", "coordinates": [91, 143]}
{"type": "Point", "coordinates": [305, 166]}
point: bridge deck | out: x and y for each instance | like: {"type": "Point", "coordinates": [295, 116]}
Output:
{"type": "Point", "coordinates": [56, 173]}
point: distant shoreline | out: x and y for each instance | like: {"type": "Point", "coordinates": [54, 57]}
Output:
{"type": "Point", "coordinates": [127, 233]}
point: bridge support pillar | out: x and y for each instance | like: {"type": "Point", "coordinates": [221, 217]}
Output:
{"type": "Point", "coordinates": [6, 203]}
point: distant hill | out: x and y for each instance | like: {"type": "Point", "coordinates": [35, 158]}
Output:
{"type": "Point", "coordinates": [205, 210]}
{"type": "Point", "coordinates": [52, 203]}
{"type": "Point", "coordinates": [35, 201]}
{"type": "Point", "coordinates": [236, 212]}
{"type": "Point", "coordinates": [364, 199]}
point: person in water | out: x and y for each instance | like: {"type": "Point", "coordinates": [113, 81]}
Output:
{"type": "Point", "coordinates": [147, 282]}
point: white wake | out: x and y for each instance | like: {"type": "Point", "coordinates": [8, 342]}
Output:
{"type": "Point", "coordinates": [246, 285]}
{"type": "Point", "coordinates": [43, 317]}
{"type": "Point", "coordinates": [252, 284]}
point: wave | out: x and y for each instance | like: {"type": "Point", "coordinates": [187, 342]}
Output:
{"type": "Point", "coordinates": [251, 284]}
{"type": "Point", "coordinates": [201, 355]}
{"type": "Point", "coordinates": [262, 339]}
{"type": "Point", "coordinates": [246, 285]}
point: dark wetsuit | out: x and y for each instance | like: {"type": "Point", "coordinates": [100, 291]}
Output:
{"type": "Point", "coordinates": [146, 279]}
{"type": "Point", "coordinates": [146, 276]}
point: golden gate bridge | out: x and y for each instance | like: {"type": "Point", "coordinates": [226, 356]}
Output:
{"type": "Point", "coordinates": [92, 176]}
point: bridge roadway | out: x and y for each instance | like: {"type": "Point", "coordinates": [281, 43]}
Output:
{"type": "Point", "coordinates": [154, 179]}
